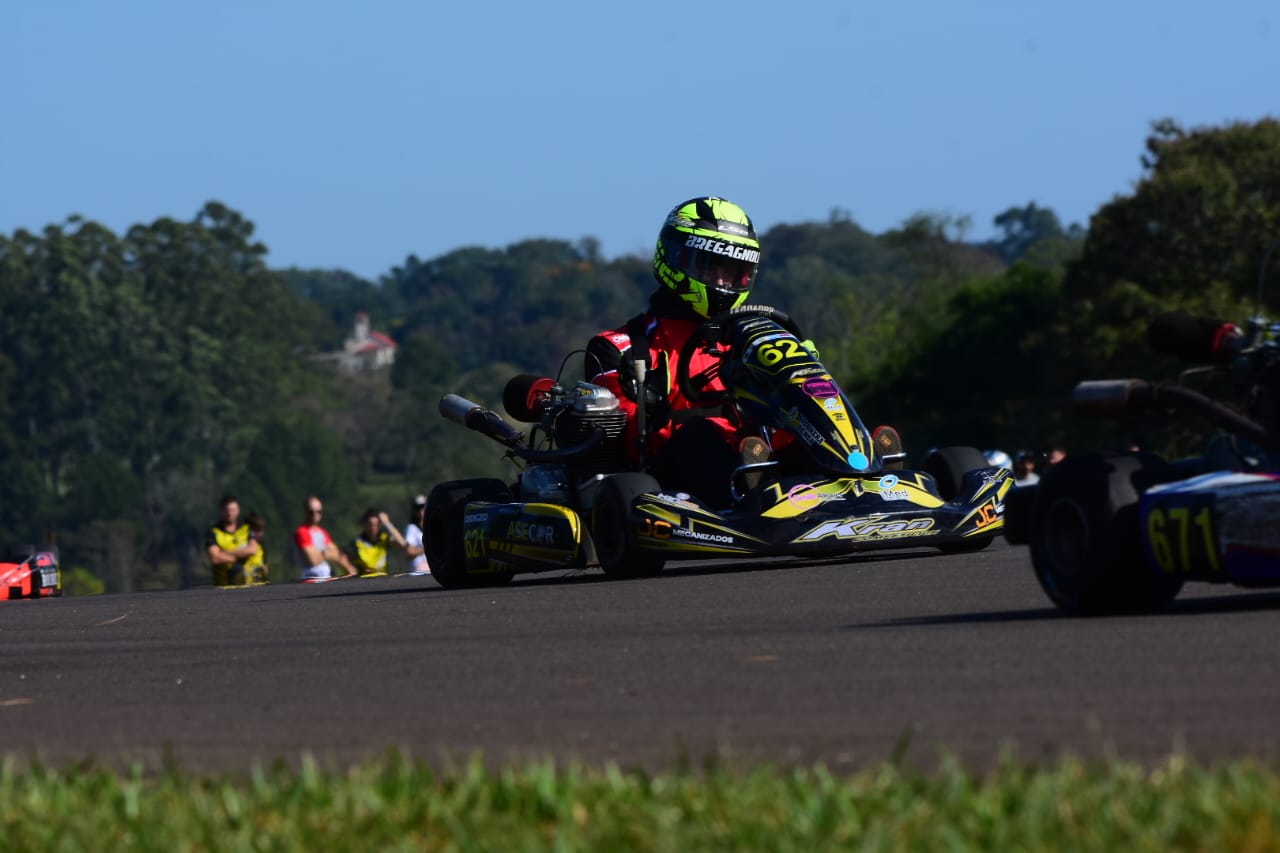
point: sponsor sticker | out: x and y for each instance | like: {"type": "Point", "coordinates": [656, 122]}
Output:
{"type": "Point", "coordinates": [806, 496]}
{"type": "Point", "coordinates": [534, 534]}
{"type": "Point", "coordinates": [727, 249]}
{"type": "Point", "coordinates": [679, 499]}
{"type": "Point", "coordinates": [820, 388]}
{"type": "Point", "coordinates": [869, 528]}
{"type": "Point", "coordinates": [699, 536]}
{"type": "Point", "coordinates": [889, 490]}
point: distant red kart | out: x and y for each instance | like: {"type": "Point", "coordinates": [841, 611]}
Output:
{"type": "Point", "coordinates": [29, 572]}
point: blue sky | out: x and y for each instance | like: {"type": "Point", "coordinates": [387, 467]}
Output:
{"type": "Point", "coordinates": [354, 135]}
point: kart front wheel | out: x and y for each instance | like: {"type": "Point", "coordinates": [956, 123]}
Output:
{"type": "Point", "coordinates": [446, 551]}
{"type": "Point", "coordinates": [611, 527]}
{"type": "Point", "coordinates": [948, 465]}
{"type": "Point", "coordinates": [1086, 538]}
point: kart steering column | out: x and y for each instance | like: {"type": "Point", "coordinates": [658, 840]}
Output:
{"type": "Point", "coordinates": [639, 366]}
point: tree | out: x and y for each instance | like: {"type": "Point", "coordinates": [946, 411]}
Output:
{"type": "Point", "coordinates": [1028, 228]}
{"type": "Point", "coordinates": [1205, 209]}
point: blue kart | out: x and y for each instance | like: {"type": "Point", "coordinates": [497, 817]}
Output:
{"type": "Point", "coordinates": [1125, 530]}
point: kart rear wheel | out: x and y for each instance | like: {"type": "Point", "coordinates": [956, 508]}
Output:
{"type": "Point", "coordinates": [1086, 541]}
{"type": "Point", "coordinates": [948, 465]}
{"type": "Point", "coordinates": [446, 551]}
{"type": "Point", "coordinates": [611, 527]}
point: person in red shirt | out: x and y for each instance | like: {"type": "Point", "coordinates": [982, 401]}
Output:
{"type": "Point", "coordinates": [315, 545]}
{"type": "Point", "coordinates": [705, 263]}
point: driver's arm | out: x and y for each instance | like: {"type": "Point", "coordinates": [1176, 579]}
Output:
{"type": "Point", "coordinates": [603, 357]}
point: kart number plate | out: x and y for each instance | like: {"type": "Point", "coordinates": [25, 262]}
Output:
{"type": "Point", "coordinates": [1180, 536]}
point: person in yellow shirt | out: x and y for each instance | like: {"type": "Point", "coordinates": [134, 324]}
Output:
{"type": "Point", "coordinates": [235, 559]}
{"type": "Point", "coordinates": [368, 551]}
{"type": "Point", "coordinates": [255, 565]}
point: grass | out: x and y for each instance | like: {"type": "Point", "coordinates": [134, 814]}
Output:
{"type": "Point", "coordinates": [397, 804]}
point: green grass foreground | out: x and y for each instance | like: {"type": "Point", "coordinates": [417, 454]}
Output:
{"type": "Point", "coordinates": [398, 804]}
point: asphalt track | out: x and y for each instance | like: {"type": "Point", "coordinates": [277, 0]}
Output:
{"type": "Point", "coordinates": [849, 663]}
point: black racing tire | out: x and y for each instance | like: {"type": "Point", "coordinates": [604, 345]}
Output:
{"type": "Point", "coordinates": [611, 527]}
{"type": "Point", "coordinates": [1019, 502]}
{"type": "Point", "coordinates": [948, 465]}
{"type": "Point", "coordinates": [1086, 538]}
{"type": "Point", "coordinates": [446, 552]}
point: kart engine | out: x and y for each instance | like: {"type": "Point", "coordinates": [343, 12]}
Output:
{"type": "Point", "coordinates": [590, 409]}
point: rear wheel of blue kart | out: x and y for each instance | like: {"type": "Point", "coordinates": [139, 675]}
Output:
{"type": "Point", "coordinates": [611, 527]}
{"type": "Point", "coordinates": [1086, 537]}
{"type": "Point", "coordinates": [445, 549]}
{"type": "Point", "coordinates": [1019, 501]}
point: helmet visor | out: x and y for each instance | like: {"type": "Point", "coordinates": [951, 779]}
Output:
{"type": "Point", "coordinates": [721, 272]}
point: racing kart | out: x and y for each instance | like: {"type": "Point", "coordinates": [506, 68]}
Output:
{"type": "Point", "coordinates": [28, 572]}
{"type": "Point", "coordinates": [579, 502]}
{"type": "Point", "coordinates": [1125, 530]}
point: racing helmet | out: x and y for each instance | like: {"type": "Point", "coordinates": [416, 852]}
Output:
{"type": "Point", "coordinates": [999, 459]}
{"type": "Point", "coordinates": [707, 254]}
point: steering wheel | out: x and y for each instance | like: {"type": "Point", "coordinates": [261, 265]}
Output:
{"type": "Point", "coordinates": [709, 337]}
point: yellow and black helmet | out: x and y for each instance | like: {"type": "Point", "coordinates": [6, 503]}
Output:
{"type": "Point", "coordinates": [707, 253]}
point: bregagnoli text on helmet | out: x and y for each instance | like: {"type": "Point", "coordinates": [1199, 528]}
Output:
{"type": "Point", "coordinates": [718, 248]}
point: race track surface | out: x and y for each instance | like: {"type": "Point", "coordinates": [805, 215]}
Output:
{"type": "Point", "coordinates": [844, 662]}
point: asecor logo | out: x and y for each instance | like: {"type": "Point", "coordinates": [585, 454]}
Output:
{"type": "Point", "coordinates": [537, 534]}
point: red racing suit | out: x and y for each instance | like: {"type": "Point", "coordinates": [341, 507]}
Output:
{"type": "Point", "coordinates": [665, 335]}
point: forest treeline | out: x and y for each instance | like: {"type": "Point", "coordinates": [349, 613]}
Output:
{"type": "Point", "coordinates": [143, 374]}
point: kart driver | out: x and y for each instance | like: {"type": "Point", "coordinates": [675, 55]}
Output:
{"type": "Point", "coordinates": [705, 263]}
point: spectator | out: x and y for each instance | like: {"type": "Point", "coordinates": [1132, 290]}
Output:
{"type": "Point", "coordinates": [413, 539]}
{"type": "Point", "coordinates": [1024, 469]}
{"type": "Point", "coordinates": [1056, 454]}
{"type": "Point", "coordinates": [999, 459]}
{"type": "Point", "coordinates": [316, 547]}
{"type": "Point", "coordinates": [368, 551]}
{"type": "Point", "coordinates": [228, 546]}
{"type": "Point", "coordinates": [255, 564]}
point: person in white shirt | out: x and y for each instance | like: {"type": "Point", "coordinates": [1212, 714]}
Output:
{"type": "Point", "coordinates": [414, 545]}
{"type": "Point", "coordinates": [1024, 469]}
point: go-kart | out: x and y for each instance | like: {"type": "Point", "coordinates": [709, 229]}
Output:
{"type": "Point", "coordinates": [580, 502]}
{"type": "Point", "coordinates": [1125, 530]}
{"type": "Point", "coordinates": [29, 572]}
